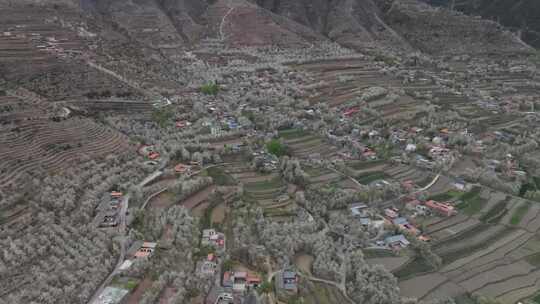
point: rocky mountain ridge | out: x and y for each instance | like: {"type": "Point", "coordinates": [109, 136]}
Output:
{"type": "Point", "coordinates": [402, 25]}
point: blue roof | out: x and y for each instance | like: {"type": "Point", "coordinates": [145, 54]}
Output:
{"type": "Point", "coordinates": [289, 275]}
{"type": "Point", "coordinates": [400, 221]}
{"type": "Point", "coordinates": [289, 286]}
{"type": "Point", "coordinates": [397, 238]}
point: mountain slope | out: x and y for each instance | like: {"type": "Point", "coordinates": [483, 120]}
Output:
{"type": "Point", "coordinates": [520, 15]}
{"type": "Point", "coordinates": [400, 25]}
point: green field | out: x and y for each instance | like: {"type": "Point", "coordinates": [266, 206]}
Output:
{"type": "Point", "coordinates": [450, 257]}
{"type": "Point", "coordinates": [464, 299]}
{"type": "Point", "coordinates": [446, 196]}
{"type": "Point", "coordinates": [519, 213]}
{"type": "Point", "coordinates": [471, 202]}
{"type": "Point", "coordinates": [533, 259]}
{"type": "Point", "coordinates": [496, 212]}
{"type": "Point", "coordinates": [292, 133]}
{"type": "Point", "coordinates": [272, 184]}
{"type": "Point", "coordinates": [462, 236]}
{"type": "Point", "coordinates": [536, 298]}
{"type": "Point", "coordinates": [371, 177]}
{"type": "Point", "coordinates": [417, 266]}
{"type": "Point", "coordinates": [315, 171]}
{"type": "Point", "coordinates": [378, 253]}
{"type": "Point", "coordinates": [220, 177]}
{"type": "Point", "coordinates": [365, 165]}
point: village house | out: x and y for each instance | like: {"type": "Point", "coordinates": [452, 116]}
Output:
{"type": "Point", "coordinates": [404, 225]}
{"type": "Point", "coordinates": [407, 185]}
{"type": "Point", "coordinates": [227, 280]}
{"type": "Point", "coordinates": [359, 209]}
{"type": "Point", "coordinates": [182, 169]}
{"type": "Point", "coordinates": [287, 281]}
{"type": "Point", "coordinates": [350, 112]}
{"type": "Point", "coordinates": [397, 242]}
{"type": "Point", "coordinates": [209, 265]}
{"type": "Point", "coordinates": [116, 194]}
{"type": "Point", "coordinates": [239, 280]}
{"type": "Point", "coordinates": [441, 208]}
{"type": "Point", "coordinates": [110, 218]}
{"type": "Point", "coordinates": [213, 238]}
{"type": "Point", "coordinates": [253, 280]}
{"type": "Point", "coordinates": [461, 185]}
{"type": "Point", "coordinates": [146, 250]}
{"type": "Point", "coordinates": [436, 152]}
{"type": "Point", "coordinates": [391, 213]}
{"type": "Point", "coordinates": [182, 124]}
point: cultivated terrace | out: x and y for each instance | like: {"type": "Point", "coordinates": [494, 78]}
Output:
{"type": "Point", "coordinates": [149, 161]}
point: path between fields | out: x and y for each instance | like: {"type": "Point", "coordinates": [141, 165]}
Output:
{"type": "Point", "coordinates": [348, 176]}
{"type": "Point", "coordinates": [433, 182]}
{"type": "Point", "coordinates": [119, 77]}
{"type": "Point", "coordinates": [221, 35]}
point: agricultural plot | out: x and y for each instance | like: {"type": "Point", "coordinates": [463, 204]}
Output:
{"type": "Point", "coordinates": [319, 293]}
{"type": "Point", "coordinates": [50, 146]}
{"type": "Point", "coordinates": [267, 190]}
{"type": "Point", "coordinates": [473, 201]}
{"type": "Point", "coordinates": [304, 145]}
{"type": "Point", "coordinates": [342, 81]}
{"type": "Point", "coordinates": [488, 257]}
{"type": "Point", "coordinates": [370, 177]}
{"type": "Point", "coordinates": [391, 263]}
{"type": "Point", "coordinates": [403, 173]}
{"type": "Point", "coordinates": [360, 167]}
{"type": "Point", "coordinates": [322, 176]}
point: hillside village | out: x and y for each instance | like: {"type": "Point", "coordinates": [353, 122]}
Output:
{"type": "Point", "coordinates": [231, 173]}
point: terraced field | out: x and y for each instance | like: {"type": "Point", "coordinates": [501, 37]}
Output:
{"type": "Point", "coordinates": [404, 173]}
{"type": "Point", "coordinates": [320, 293]}
{"type": "Point", "coordinates": [45, 145]}
{"type": "Point", "coordinates": [267, 190]}
{"type": "Point", "coordinates": [341, 81]}
{"type": "Point", "coordinates": [492, 252]}
{"type": "Point", "coordinates": [304, 144]}
{"type": "Point", "coordinates": [321, 176]}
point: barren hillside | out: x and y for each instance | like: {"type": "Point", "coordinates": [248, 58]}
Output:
{"type": "Point", "coordinates": [402, 25]}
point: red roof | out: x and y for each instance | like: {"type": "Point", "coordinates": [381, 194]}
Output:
{"type": "Point", "coordinates": [153, 155]}
{"type": "Point", "coordinates": [240, 274]}
{"type": "Point", "coordinates": [440, 206]}
{"type": "Point", "coordinates": [181, 168]}
{"type": "Point", "coordinates": [350, 111]}
{"type": "Point", "coordinates": [116, 194]}
{"type": "Point", "coordinates": [251, 278]}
